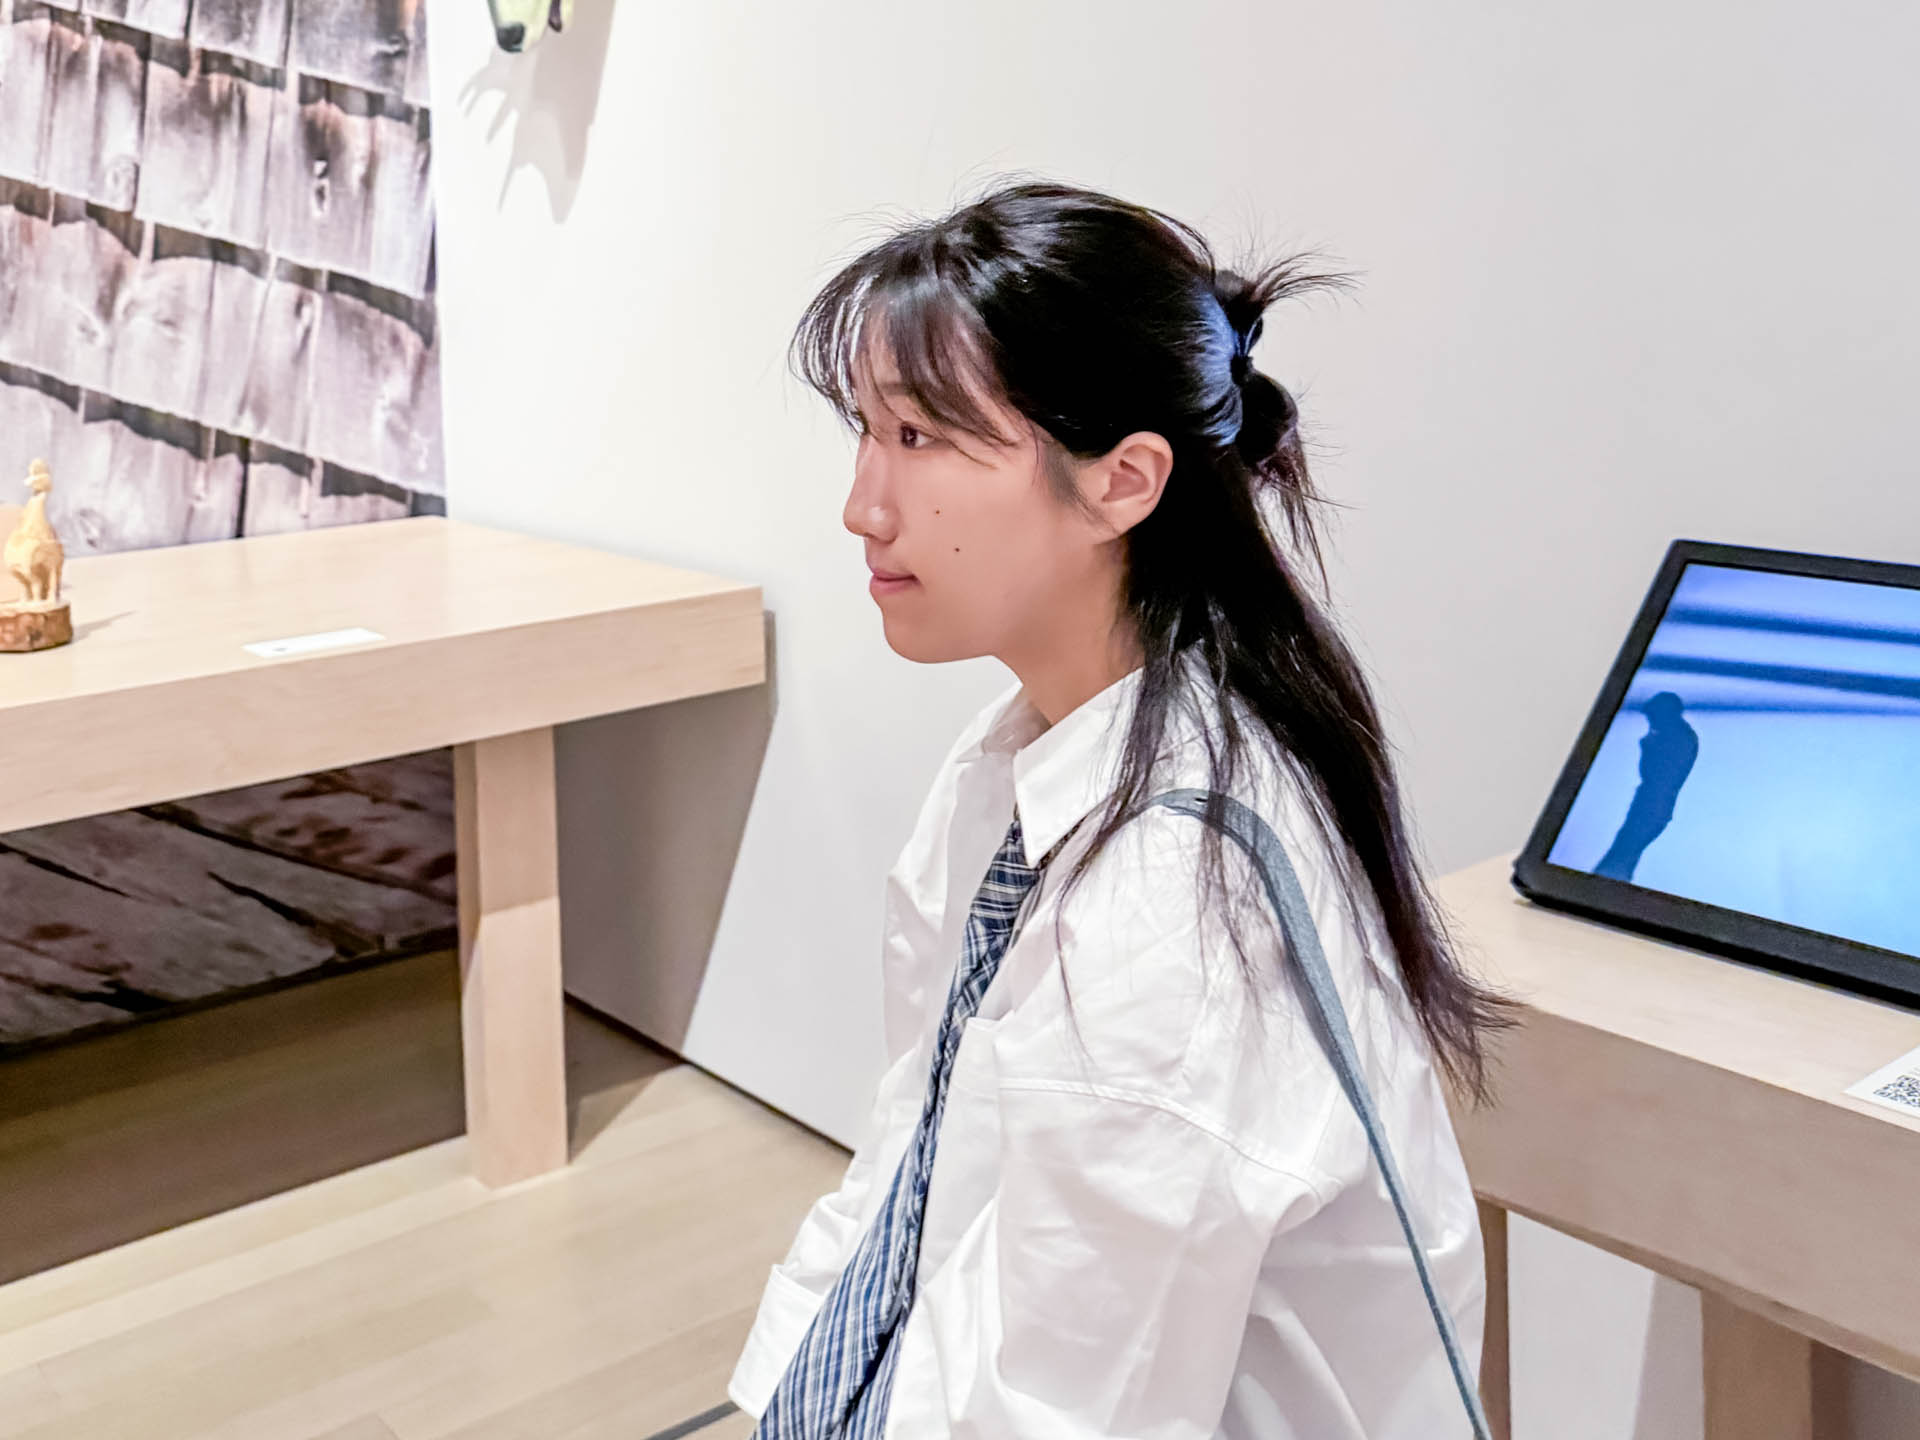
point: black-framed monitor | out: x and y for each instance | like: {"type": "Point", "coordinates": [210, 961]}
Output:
{"type": "Point", "coordinates": [1748, 781]}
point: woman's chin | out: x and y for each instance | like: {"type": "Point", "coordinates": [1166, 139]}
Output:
{"type": "Point", "coordinates": [915, 649]}
{"type": "Point", "coordinates": [912, 642]}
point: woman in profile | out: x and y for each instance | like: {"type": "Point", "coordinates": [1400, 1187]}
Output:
{"type": "Point", "coordinates": [1110, 1185]}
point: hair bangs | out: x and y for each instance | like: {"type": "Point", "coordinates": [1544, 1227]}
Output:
{"type": "Point", "coordinates": [896, 307]}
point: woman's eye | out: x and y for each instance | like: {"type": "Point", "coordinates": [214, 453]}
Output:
{"type": "Point", "coordinates": [912, 437]}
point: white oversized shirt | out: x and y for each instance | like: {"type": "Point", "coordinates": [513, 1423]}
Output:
{"type": "Point", "coordinates": [1158, 1217]}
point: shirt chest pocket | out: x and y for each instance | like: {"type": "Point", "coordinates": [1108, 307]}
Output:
{"type": "Point", "coordinates": [966, 1161]}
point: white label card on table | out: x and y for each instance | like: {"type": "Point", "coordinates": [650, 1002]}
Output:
{"type": "Point", "coordinates": [301, 644]}
{"type": "Point", "coordinates": [1895, 1085]}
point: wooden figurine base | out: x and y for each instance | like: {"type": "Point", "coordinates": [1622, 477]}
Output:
{"type": "Point", "coordinates": [25, 625]}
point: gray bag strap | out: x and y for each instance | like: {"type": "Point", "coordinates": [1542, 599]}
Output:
{"type": "Point", "coordinates": [1329, 1018]}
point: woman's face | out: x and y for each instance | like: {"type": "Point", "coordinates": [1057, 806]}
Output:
{"type": "Point", "coordinates": [993, 563]}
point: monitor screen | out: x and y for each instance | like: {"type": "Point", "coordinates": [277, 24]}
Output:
{"type": "Point", "coordinates": [1766, 757]}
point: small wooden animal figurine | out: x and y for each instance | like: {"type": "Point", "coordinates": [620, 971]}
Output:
{"type": "Point", "coordinates": [35, 558]}
{"type": "Point", "coordinates": [33, 551]}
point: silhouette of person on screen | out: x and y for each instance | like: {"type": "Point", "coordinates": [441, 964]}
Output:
{"type": "Point", "coordinates": [1667, 753]}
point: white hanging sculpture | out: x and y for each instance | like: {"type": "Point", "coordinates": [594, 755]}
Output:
{"type": "Point", "coordinates": [519, 24]}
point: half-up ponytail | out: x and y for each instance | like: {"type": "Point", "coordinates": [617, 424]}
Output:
{"type": "Point", "coordinates": [1268, 440]}
{"type": "Point", "coordinates": [1095, 319]}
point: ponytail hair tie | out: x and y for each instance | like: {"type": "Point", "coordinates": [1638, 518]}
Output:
{"type": "Point", "coordinates": [1257, 412]}
{"type": "Point", "coordinates": [1241, 365]}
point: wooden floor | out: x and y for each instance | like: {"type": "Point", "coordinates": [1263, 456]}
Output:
{"type": "Point", "coordinates": [400, 1300]}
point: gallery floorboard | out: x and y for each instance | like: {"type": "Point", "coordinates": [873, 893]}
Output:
{"type": "Point", "coordinates": [400, 1300]}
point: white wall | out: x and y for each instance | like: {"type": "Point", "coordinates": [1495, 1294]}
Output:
{"type": "Point", "coordinates": [1630, 273]}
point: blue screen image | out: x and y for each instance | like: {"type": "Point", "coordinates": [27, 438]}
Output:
{"type": "Point", "coordinates": [1766, 757]}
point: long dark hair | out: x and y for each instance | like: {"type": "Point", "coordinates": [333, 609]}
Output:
{"type": "Point", "coordinates": [1094, 319]}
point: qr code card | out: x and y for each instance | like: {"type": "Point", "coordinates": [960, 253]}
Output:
{"type": "Point", "coordinates": [1895, 1085]}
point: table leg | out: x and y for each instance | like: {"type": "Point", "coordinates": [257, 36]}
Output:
{"type": "Point", "coordinates": [1496, 1391]}
{"type": "Point", "coordinates": [1758, 1376]}
{"type": "Point", "coordinates": [510, 992]}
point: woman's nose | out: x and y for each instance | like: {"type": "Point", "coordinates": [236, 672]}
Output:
{"type": "Point", "coordinates": [866, 511]}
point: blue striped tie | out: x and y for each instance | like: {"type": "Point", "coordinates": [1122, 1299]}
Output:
{"type": "Point", "coordinates": [840, 1379]}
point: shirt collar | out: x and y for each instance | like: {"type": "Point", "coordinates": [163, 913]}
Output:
{"type": "Point", "coordinates": [1062, 774]}
{"type": "Point", "coordinates": [1062, 771]}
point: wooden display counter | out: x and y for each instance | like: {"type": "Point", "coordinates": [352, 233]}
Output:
{"type": "Point", "coordinates": [370, 641]}
{"type": "Point", "coordinates": [1689, 1113]}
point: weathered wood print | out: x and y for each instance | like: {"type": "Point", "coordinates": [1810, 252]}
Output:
{"type": "Point", "coordinates": [209, 131]}
{"type": "Point", "coordinates": [378, 45]}
{"type": "Point", "coordinates": [253, 30]}
{"type": "Point", "coordinates": [216, 319]}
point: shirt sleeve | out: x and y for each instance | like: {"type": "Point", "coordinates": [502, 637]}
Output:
{"type": "Point", "coordinates": [912, 913]}
{"type": "Point", "coordinates": [798, 1285]}
{"type": "Point", "coordinates": [1095, 1296]}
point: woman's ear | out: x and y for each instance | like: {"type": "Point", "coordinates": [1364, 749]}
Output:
{"type": "Point", "coordinates": [1126, 483]}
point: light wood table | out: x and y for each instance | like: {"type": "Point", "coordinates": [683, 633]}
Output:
{"type": "Point", "coordinates": [487, 640]}
{"type": "Point", "coordinates": [1688, 1113]}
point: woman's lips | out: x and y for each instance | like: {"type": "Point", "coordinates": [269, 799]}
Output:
{"type": "Point", "coordinates": [884, 584]}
